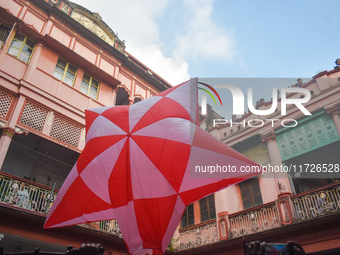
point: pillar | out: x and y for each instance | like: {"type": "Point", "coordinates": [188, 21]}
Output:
{"type": "Point", "coordinates": [223, 225]}
{"type": "Point", "coordinates": [5, 141]}
{"type": "Point", "coordinates": [9, 131]}
{"type": "Point", "coordinates": [115, 93]}
{"type": "Point", "coordinates": [334, 111]}
{"type": "Point", "coordinates": [281, 178]}
{"type": "Point", "coordinates": [34, 61]}
{"type": "Point", "coordinates": [285, 208]}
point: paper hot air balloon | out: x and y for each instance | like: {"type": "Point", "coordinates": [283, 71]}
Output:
{"type": "Point", "coordinates": [135, 167]}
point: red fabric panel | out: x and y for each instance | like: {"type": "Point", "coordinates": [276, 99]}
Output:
{"type": "Point", "coordinates": [164, 108]}
{"type": "Point", "coordinates": [193, 195]}
{"type": "Point", "coordinates": [90, 116]}
{"type": "Point", "coordinates": [203, 139]}
{"type": "Point", "coordinates": [94, 148]}
{"type": "Point", "coordinates": [153, 216]}
{"type": "Point", "coordinates": [78, 200]}
{"type": "Point", "coordinates": [120, 187]}
{"type": "Point", "coordinates": [119, 116]}
{"type": "Point", "coordinates": [170, 157]}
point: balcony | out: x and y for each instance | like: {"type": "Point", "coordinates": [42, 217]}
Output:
{"type": "Point", "coordinates": [261, 219]}
{"type": "Point", "coordinates": [38, 199]}
{"type": "Point", "coordinates": [204, 234]}
{"type": "Point", "coordinates": [287, 210]}
{"type": "Point", "coordinates": [317, 203]}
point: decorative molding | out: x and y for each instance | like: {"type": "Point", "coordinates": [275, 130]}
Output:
{"type": "Point", "coordinates": [93, 26]}
{"type": "Point", "coordinates": [9, 132]}
{"type": "Point", "coordinates": [268, 136]}
{"type": "Point", "coordinates": [333, 109]}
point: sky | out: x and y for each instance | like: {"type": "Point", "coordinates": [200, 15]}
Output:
{"type": "Point", "coordinates": [181, 39]}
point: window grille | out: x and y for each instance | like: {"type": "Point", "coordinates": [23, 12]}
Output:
{"type": "Point", "coordinates": [21, 48]}
{"type": "Point", "coordinates": [5, 103]}
{"type": "Point", "coordinates": [65, 131]}
{"type": "Point", "coordinates": [33, 116]}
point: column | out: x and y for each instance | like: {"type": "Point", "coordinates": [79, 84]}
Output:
{"type": "Point", "coordinates": [34, 61]}
{"type": "Point", "coordinates": [9, 131]}
{"type": "Point", "coordinates": [115, 93]}
{"type": "Point", "coordinates": [5, 141]}
{"type": "Point", "coordinates": [334, 111]}
{"type": "Point", "coordinates": [283, 201]}
{"type": "Point", "coordinates": [281, 178]}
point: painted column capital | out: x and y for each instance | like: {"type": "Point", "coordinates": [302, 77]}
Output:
{"type": "Point", "coordinates": [115, 89]}
{"type": "Point", "coordinates": [9, 132]}
{"type": "Point", "coordinates": [41, 44]}
{"type": "Point", "coordinates": [333, 109]}
{"type": "Point", "coordinates": [268, 136]}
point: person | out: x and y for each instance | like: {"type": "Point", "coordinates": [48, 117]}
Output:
{"type": "Point", "coordinates": [258, 248]}
{"type": "Point", "coordinates": [299, 83]}
{"type": "Point", "coordinates": [337, 62]}
{"type": "Point", "coordinates": [23, 198]}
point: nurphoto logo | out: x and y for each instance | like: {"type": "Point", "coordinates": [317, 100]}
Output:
{"type": "Point", "coordinates": [238, 106]}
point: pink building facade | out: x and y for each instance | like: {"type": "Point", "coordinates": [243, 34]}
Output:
{"type": "Point", "coordinates": [278, 207]}
{"type": "Point", "coordinates": [56, 60]}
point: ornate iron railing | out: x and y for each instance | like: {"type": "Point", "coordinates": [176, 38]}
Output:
{"type": "Point", "coordinates": [254, 221]}
{"type": "Point", "coordinates": [199, 236]}
{"type": "Point", "coordinates": [317, 203]}
{"type": "Point", "coordinates": [110, 226]}
{"type": "Point", "coordinates": [26, 195]}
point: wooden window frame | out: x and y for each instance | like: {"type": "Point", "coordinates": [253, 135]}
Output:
{"type": "Point", "coordinates": [24, 41]}
{"type": "Point", "coordinates": [65, 71]}
{"type": "Point", "coordinates": [247, 185]}
{"type": "Point", "coordinates": [188, 217]}
{"type": "Point", "coordinates": [209, 210]}
{"type": "Point", "coordinates": [89, 86]}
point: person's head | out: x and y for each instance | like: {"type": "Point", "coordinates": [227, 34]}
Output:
{"type": "Point", "coordinates": [337, 61]}
{"type": "Point", "coordinates": [299, 80]}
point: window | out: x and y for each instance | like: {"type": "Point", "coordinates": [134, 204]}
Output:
{"type": "Point", "coordinates": [21, 48]}
{"type": "Point", "coordinates": [65, 72]}
{"type": "Point", "coordinates": [207, 206]}
{"type": "Point", "coordinates": [4, 32]}
{"type": "Point", "coordinates": [89, 86]}
{"type": "Point", "coordinates": [188, 216]}
{"type": "Point", "coordinates": [251, 193]}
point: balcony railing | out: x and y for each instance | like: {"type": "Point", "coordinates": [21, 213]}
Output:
{"type": "Point", "coordinates": [25, 195]}
{"type": "Point", "coordinates": [316, 203]}
{"type": "Point", "coordinates": [254, 221]}
{"type": "Point", "coordinates": [33, 197]}
{"type": "Point", "coordinates": [198, 236]}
